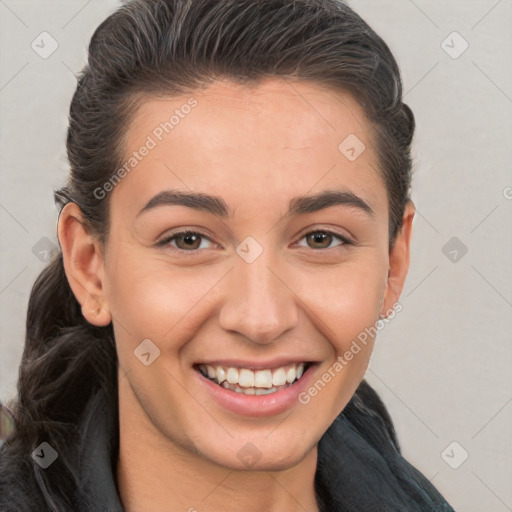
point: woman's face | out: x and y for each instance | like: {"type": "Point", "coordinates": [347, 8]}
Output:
{"type": "Point", "coordinates": [273, 280]}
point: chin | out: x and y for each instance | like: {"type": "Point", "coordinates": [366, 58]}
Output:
{"type": "Point", "coordinates": [258, 455]}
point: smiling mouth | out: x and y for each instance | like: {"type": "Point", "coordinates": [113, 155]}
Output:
{"type": "Point", "coordinates": [258, 382]}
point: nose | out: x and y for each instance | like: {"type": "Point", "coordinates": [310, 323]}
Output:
{"type": "Point", "coordinates": [259, 304]}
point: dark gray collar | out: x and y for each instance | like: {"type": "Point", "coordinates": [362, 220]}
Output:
{"type": "Point", "coordinates": [353, 467]}
{"type": "Point", "coordinates": [98, 491]}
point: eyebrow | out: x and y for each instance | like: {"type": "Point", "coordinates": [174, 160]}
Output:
{"type": "Point", "coordinates": [298, 205]}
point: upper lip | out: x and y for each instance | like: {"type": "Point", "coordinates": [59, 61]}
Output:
{"type": "Point", "coordinates": [256, 365]}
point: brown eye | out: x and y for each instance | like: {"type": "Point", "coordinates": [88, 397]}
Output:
{"type": "Point", "coordinates": [324, 239]}
{"type": "Point", "coordinates": [319, 240]}
{"type": "Point", "coordinates": [187, 241]}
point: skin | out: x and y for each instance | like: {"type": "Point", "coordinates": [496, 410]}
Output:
{"type": "Point", "coordinates": [256, 148]}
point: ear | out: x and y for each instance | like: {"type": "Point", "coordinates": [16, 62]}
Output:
{"type": "Point", "coordinates": [399, 258]}
{"type": "Point", "coordinates": [83, 263]}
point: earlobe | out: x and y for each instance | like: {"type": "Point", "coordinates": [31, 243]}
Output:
{"type": "Point", "coordinates": [83, 263]}
{"type": "Point", "coordinates": [399, 259]}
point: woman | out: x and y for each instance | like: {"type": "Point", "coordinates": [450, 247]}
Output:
{"type": "Point", "coordinates": [235, 227]}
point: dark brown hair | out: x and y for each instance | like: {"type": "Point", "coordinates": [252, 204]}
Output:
{"type": "Point", "coordinates": [168, 48]}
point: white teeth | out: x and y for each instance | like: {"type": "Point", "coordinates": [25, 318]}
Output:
{"type": "Point", "coordinates": [246, 378]}
{"type": "Point", "coordinates": [279, 377]}
{"type": "Point", "coordinates": [232, 376]}
{"type": "Point", "coordinates": [251, 391]}
{"type": "Point", "coordinates": [221, 374]}
{"type": "Point", "coordinates": [265, 391]}
{"type": "Point", "coordinates": [291, 375]}
{"type": "Point", "coordinates": [260, 382]}
{"type": "Point", "coordinates": [263, 379]}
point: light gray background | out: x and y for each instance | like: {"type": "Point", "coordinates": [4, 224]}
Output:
{"type": "Point", "coordinates": [443, 365]}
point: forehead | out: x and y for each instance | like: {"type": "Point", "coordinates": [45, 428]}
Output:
{"type": "Point", "coordinates": [273, 139]}
{"type": "Point", "coordinates": [298, 111]}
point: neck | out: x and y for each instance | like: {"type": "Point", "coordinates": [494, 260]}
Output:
{"type": "Point", "coordinates": [156, 473]}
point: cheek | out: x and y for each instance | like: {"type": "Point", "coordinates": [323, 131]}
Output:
{"type": "Point", "coordinates": [347, 304]}
{"type": "Point", "coordinates": [346, 299]}
{"type": "Point", "coordinates": [150, 299]}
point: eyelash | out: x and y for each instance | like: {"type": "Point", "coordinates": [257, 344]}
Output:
{"type": "Point", "coordinates": [166, 241]}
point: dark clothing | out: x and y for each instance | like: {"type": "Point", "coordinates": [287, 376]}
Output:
{"type": "Point", "coordinates": [352, 475]}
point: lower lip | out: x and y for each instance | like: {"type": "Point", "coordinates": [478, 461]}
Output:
{"type": "Point", "coordinates": [257, 405]}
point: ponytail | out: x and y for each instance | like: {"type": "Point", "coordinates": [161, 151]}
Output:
{"type": "Point", "coordinates": [65, 362]}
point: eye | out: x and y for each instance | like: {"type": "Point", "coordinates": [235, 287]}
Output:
{"type": "Point", "coordinates": [190, 241]}
{"type": "Point", "coordinates": [187, 241]}
{"type": "Point", "coordinates": [322, 239]}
